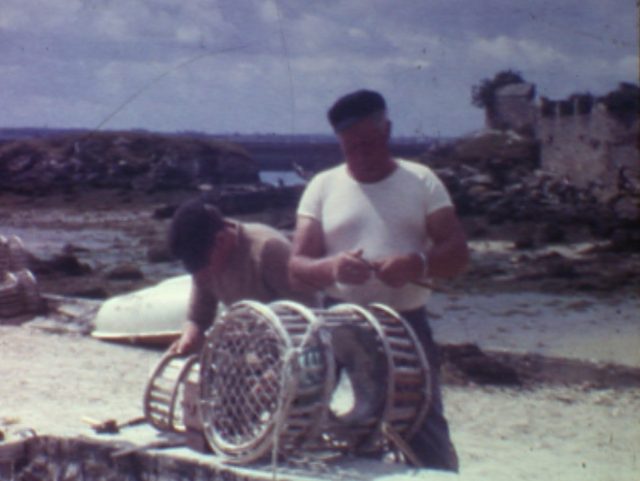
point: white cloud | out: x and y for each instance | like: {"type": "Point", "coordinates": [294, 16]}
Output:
{"type": "Point", "coordinates": [292, 58]}
{"type": "Point", "coordinates": [357, 33]}
{"type": "Point", "coordinates": [512, 50]}
{"type": "Point", "coordinates": [269, 10]}
{"type": "Point", "coordinates": [112, 24]}
{"type": "Point", "coordinates": [16, 14]}
{"type": "Point", "coordinates": [12, 17]}
{"type": "Point", "coordinates": [188, 34]}
{"type": "Point", "coordinates": [628, 67]}
{"type": "Point", "coordinates": [313, 35]}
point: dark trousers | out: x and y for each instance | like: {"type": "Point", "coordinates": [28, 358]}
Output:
{"type": "Point", "coordinates": [431, 443]}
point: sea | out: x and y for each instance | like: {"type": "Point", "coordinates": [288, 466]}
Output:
{"type": "Point", "coordinates": [280, 177]}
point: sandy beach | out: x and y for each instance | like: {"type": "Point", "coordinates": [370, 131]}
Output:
{"type": "Point", "coordinates": [565, 432]}
{"type": "Point", "coordinates": [563, 429]}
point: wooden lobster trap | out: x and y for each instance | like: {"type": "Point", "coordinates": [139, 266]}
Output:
{"type": "Point", "coordinates": [266, 379]}
{"type": "Point", "coordinates": [266, 383]}
{"type": "Point", "coordinates": [389, 376]}
{"type": "Point", "coordinates": [19, 292]}
{"type": "Point", "coordinates": [165, 393]}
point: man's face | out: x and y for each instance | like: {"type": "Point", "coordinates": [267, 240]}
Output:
{"type": "Point", "coordinates": [220, 251]}
{"type": "Point", "coordinates": [365, 146]}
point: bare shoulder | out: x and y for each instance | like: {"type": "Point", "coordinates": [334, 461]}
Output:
{"type": "Point", "coordinates": [308, 238]}
{"type": "Point", "coordinates": [265, 233]}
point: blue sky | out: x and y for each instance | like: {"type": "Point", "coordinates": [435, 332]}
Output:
{"type": "Point", "coordinates": [266, 66]}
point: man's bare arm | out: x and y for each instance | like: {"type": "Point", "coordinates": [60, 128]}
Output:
{"type": "Point", "coordinates": [310, 269]}
{"type": "Point", "coordinates": [449, 255]}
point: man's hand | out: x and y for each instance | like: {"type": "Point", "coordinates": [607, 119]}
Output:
{"type": "Point", "coordinates": [190, 341]}
{"type": "Point", "coordinates": [351, 268]}
{"type": "Point", "coordinates": [397, 271]}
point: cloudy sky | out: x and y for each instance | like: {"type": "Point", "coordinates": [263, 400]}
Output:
{"type": "Point", "coordinates": [249, 66]}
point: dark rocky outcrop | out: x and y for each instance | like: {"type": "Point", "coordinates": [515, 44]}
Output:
{"type": "Point", "coordinates": [469, 362]}
{"type": "Point", "coordinates": [497, 175]}
{"type": "Point", "coordinates": [125, 272]}
{"type": "Point", "coordinates": [64, 263]}
{"type": "Point", "coordinates": [463, 364]}
{"type": "Point", "coordinates": [139, 161]}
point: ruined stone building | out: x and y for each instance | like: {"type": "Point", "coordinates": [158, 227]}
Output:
{"type": "Point", "coordinates": [513, 108]}
{"type": "Point", "coordinates": [593, 142]}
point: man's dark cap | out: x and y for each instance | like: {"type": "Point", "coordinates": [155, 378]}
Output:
{"type": "Point", "coordinates": [193, 231]}
{"type": "Point", "coordinates": [351, 108]}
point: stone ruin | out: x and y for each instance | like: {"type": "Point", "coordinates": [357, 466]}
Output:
{"type": "Point", "coordinates": [564, 163]}
{"type": "Point", "coordinates": [513, 109]}
{"type": "Point", "coordinates": [594, 142]}
{"type": "Point", "coordinates": [591, 142]}
{"type": "Point", "coordinates": [497, 175]}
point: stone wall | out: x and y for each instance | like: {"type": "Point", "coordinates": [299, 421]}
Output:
{"type": "Point", "coordinates": [513, 109]}
{"type": "Point", "coordinates": [583, 142]}
{"type": "Point", "coordinates": [590, 142]}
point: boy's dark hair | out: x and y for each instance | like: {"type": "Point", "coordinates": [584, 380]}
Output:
{"type": "Point", "coordinates": [351, 108]}
{"type": "Point", "coordinates": [192, 233]}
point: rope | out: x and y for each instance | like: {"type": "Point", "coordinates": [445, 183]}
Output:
{"type": "Point", "coordinates": [288, 368]}
{"type": "Point", "coordinates": [290, 355]}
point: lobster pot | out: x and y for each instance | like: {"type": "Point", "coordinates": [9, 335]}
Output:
{"type": "Point", "coordinates": [18, 257]}
{"type": "Point", "coordinates": [5, 256]}
{"type": "Point", "coordinates": [266, 379]}
{"type": "Point", "coordinates": [392, 391]}
{"type": "Point", "coordinates": [29, 291]}
{"type": "Point", "coordinates": [165, 391]}
{"type": "Point", "coordinates": [356, 406]}
{"type": "Point", "coordinates": [409, 391]}
{"type": "Point", "coordinates": [19, 293]}
{"type": "Point", "coordinates": [11, 298]}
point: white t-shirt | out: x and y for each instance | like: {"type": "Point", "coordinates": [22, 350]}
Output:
{"type": "Point", "coordinates": [382, 218]}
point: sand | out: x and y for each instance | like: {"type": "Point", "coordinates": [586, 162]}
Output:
{"type": "Point", "coordinates": [546, 432]}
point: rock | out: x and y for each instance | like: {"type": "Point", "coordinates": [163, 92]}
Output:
{"type": "Point", "coordinates": [525, 240]}
{"type": "Point", "coordinates": [625, 240]}
{"type": "Point", "coordinates": [164, 212]}
{"type": "Point", "coordinates": [479, 179]}
{"type": "Point", "coordinates": [95, 292]}
{"type": "Point", "coordinates": [71, 249]}
{"type": "Point", "coordinates": [125, 272]}
{"type": "Point", "coordinates": [552, 232]}
{"type": "Point", "coordinates": [478, 366]}
{"type": "Point", "coordinates": [123, 161]}
{"type": "Point", "coordinates": [497, 175]}
{"type": "Point", "coordinates": [66, 264]}
{"type": "Point", "coordinates": [159, 253]}
{"type": "Point", "coordinates": [475, 227]}
{"type": "Point", "coordinates": [559, 266]}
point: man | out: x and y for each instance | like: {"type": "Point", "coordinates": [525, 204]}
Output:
{"type": "Point", "coordinates": [228, 261]}
{"type": "Point", "coordinates": [371, 229]}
